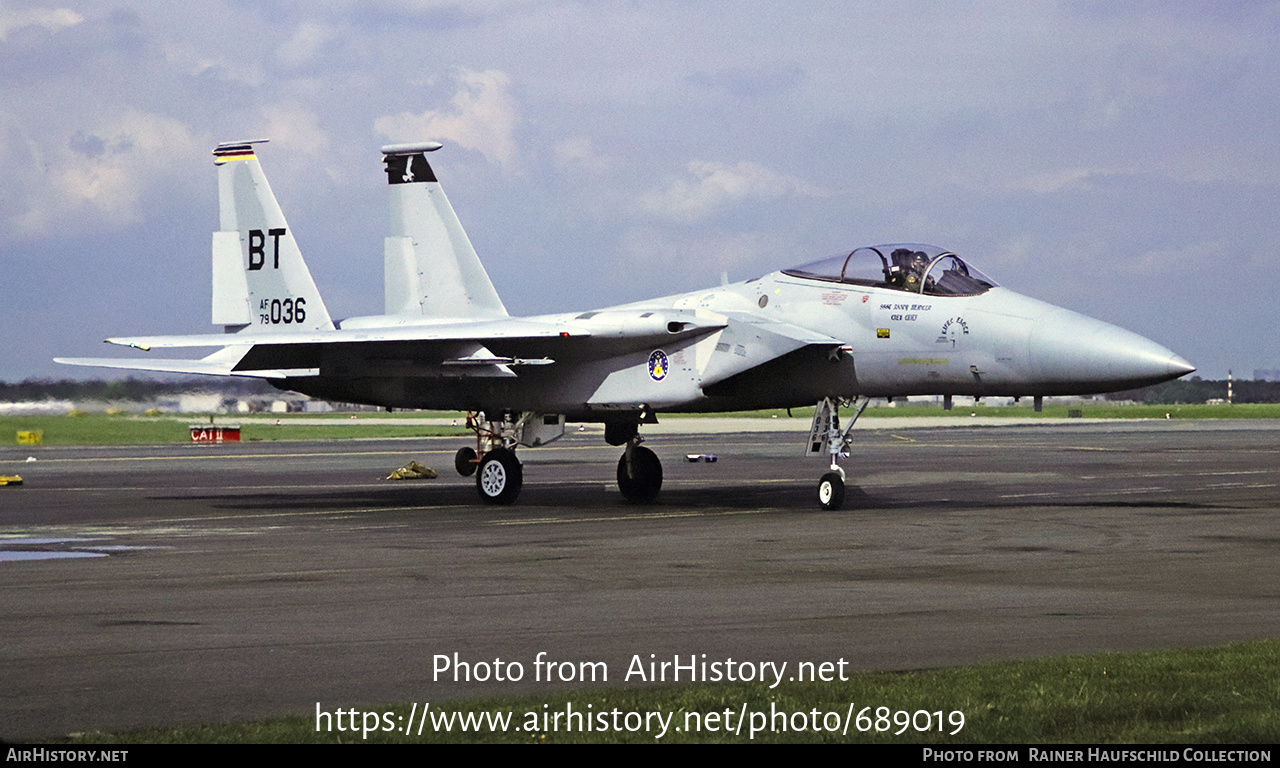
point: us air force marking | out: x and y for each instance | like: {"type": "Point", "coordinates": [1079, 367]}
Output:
{"type": "Point", "coordinates": [658, 365]}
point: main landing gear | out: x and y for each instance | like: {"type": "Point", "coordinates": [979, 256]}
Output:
{"type": "Point", "coordinates": [825, 437]}
{"type": "Point", "coordinates": [639, 470]}
{"type": "Point", "coordinates": [639, 473]}
{"type": "Point", "coordinates": [499, 474]}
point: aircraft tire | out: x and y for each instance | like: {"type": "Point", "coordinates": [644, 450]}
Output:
{"type": "Point", "coordinates": [642, 483]}
{"type": "Point", "coordinates": [499, 477]}
{"type": "Point", "coordinates": [465, 461]}
{"type": "Point", "coordinates": [831, 491]}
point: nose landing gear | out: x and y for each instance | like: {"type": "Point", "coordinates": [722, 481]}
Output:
{"type": "Point", "coordinates": [825, 437]}
{"type": "Point", "coordinates": [831, 490]}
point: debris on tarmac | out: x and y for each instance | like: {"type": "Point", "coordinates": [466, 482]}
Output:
{"type": "Point", "coordinates": [694, 458]}
{"type": "Point", "coordinates": [10, 480]}
{"type": "Point", "coordinates": [413, 471]}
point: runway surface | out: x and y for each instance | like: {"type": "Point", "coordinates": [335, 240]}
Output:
{"type": "Point", "coordinates": [161, 585]}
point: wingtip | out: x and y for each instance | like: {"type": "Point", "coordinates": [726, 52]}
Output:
{"type": "Point", "coordinates": [412, 148]}
{"type": "Point", "coordinates": [127, 343]}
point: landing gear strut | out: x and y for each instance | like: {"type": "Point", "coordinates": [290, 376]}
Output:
{"type": "Point", "coordinates": [493, 461]}
{"type": "Point", "coordinates": [826, 437]}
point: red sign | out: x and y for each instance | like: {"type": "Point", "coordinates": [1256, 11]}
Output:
{"type": "Point", "coordinates": [214, 434]}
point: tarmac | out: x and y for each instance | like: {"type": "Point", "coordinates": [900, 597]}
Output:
{"type": "Point", "coordinates": [684, 425]}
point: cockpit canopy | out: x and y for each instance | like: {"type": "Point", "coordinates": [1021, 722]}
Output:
{"type": "Point", "coordinates": [908, 267]}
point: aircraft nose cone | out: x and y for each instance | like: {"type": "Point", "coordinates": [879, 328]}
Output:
{"type": "Point", "coordinates": [1179, 367]}
{"type": "Point", "coordinates": [1090, 356]}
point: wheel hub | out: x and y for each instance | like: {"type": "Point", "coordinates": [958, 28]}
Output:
{"type": "Point", "coordinates": [494, 478]}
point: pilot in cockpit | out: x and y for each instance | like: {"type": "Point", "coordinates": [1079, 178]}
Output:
{"type": "Point", "coordinates": [907, 269]}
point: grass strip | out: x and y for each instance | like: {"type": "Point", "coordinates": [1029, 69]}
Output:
{"type": "Point", "coordinates": [103, 429]}
{"type": "Point", "coordinates": [120, 429]}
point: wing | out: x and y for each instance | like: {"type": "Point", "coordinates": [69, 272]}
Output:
{"type": "Point", "coordinates": [457, 348]}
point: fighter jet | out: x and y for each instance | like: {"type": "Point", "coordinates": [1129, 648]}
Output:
{"type": "Point", "coordinates": [881, 321]}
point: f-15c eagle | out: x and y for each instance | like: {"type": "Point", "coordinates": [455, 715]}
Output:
{"type": "Point", "coordinates": [880, 321]}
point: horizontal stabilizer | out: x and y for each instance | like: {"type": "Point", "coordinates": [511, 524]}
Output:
{"type": "Point", "coordinates": [164, 366]}
{"type": "Point", "coordinates": [220, 363]}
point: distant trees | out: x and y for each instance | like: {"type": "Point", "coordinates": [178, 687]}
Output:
{"type": "Point", "coordinates": [134, 390]}
{"type": "Point", "coordinates": [1198, 390]}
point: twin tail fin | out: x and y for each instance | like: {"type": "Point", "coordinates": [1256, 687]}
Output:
{"type": "Point", "coordinates": [431, 269]}
{"type": "Point", "coordinates": [260, 281]}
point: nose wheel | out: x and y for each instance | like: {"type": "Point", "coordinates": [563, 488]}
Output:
{"type": "Point", "coordinates": [831, 491]}
{"type": "Point", "coordinates": [827, 439]}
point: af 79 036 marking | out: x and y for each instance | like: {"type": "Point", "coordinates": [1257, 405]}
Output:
{"type": "Point", "coordinates": [282, 311]}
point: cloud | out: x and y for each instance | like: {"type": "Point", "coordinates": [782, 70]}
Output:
{"type": "Point", "coordinates": [665, 252]}
{"type": "Point", "coordinates": [295, 126]}
{"type": "Point", "coordinates": [1195, 258]}
{"type": "Point", "coordinates": [751, 82]}
{"type": "Point", "coordinates": [52, 19]}
{"type": "Point", "coordinates": [578, 153]}
{"type": "Point", "coordinates": [482, 118]}
{"type": "Point", "coordinates": [717, 186]}
{"type": "Point", "coordinates": [1066, 180]}
{"type": "Point", "coordinates": [98, 174]}
{"type": "Point", "coordinates": [305, 44]}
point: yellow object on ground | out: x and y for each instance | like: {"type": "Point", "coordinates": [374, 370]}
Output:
{"type": "Point", "coordinates": [10, 480]}
{"type": "Point", "coordinates": [413, 471]}
{"type": "Point", "coordinates": [33, 437]}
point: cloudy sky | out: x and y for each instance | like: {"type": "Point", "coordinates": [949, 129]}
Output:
{"type": "Point", "coordinates": [1121, 159]}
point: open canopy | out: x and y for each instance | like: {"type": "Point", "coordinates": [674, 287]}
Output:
{"type": "Point", "coordinates": [908, 267]}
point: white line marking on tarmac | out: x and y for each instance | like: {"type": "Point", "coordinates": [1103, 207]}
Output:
{"type": "Point", "coordinates": [637, 516]}
{"type": "Point", "coordinates": [1177, 474]}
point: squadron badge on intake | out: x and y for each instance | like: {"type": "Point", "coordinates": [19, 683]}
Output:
{"type": "Point", "coordinates": [658, 365]}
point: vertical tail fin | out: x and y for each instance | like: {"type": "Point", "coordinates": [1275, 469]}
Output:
{"type": "Point", "coordinates": [431, 268]}
{"type": "Point", "coordinates": [259, 278]}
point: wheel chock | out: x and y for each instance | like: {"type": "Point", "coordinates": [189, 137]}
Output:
{"type": "Point", "coordinates": [413, 471]}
